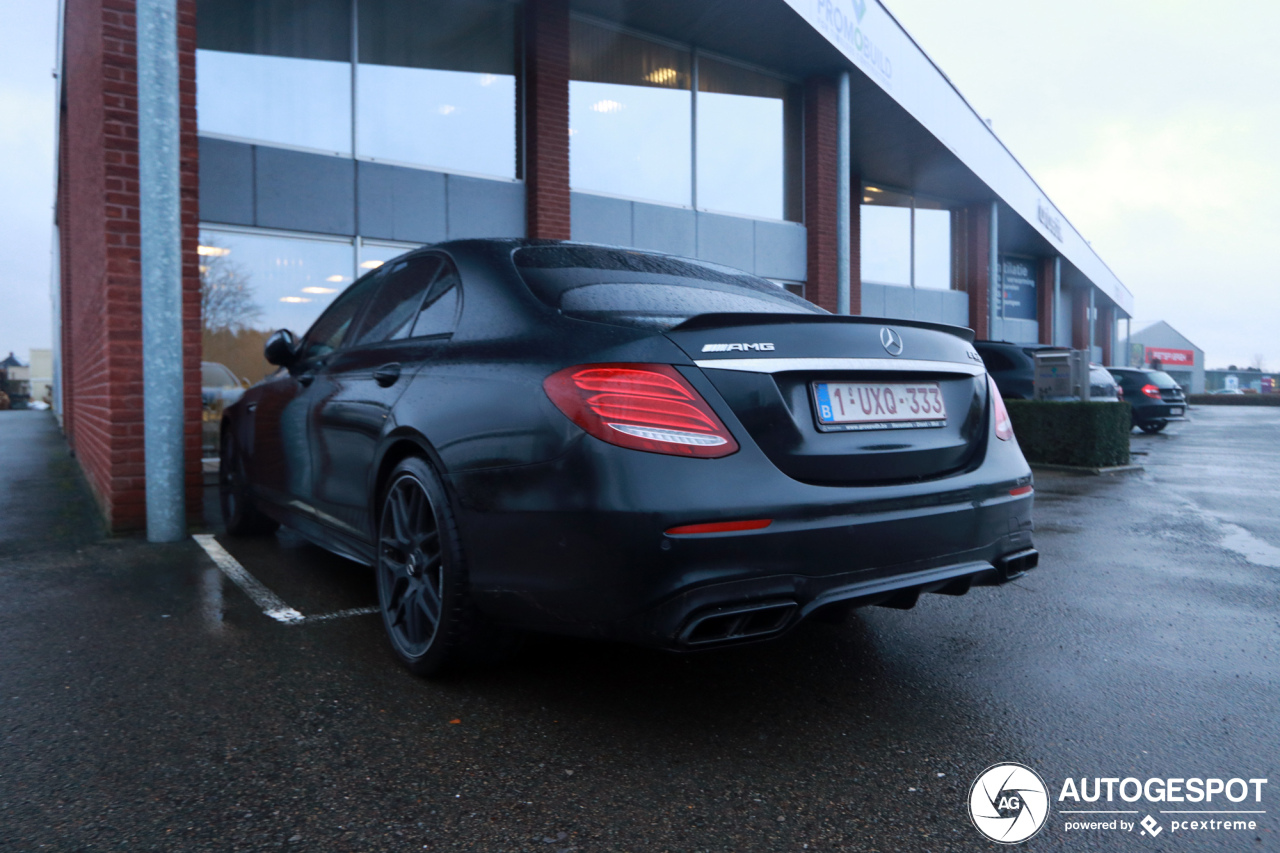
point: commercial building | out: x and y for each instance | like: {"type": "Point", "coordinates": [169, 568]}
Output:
{"type": "Point", "coordinates": [319, 139]}
{"type": "Point", "coordinates": [1161, 345]}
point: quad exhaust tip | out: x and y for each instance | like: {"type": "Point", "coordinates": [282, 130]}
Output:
{"type": "Point", "coordinates": [744, 622]}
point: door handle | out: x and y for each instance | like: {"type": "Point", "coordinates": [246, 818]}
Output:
{"type": "Point", "coordinates": [387, 375]}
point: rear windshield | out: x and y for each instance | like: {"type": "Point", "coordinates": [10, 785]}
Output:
{"type": "Point", "coordinates": [649, 291]}
{"type": "Point", "coordinates": [1160, 379]}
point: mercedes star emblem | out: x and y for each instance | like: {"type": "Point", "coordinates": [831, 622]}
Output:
{"type": "Point", "coordinates": [891, 341]}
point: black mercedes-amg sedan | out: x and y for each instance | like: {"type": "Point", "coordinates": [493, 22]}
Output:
{"type": "Point", "coordinates": [620, 444]}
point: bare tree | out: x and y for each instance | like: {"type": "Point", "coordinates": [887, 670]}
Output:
{"type": "Point", "coordinates": [226, 295]}
{"type": "Point", "coordinates": [1258, 363]}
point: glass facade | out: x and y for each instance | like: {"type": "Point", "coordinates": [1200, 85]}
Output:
{"type": "Point", "coordinates": [905, 239]}
{"type": "Point", "coordinates": [630, 116]}
{"type": "Point", "coordinates": [634, 116]}
{"type": "Point", "coordinates": [763, 178]}
{"type": "Point", "coordinates": [434, 83]}
{"type": "Point", "coordinates": [276, 71]}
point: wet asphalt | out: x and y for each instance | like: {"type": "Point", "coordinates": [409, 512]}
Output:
{"type": "Point", "coordinates": [147, 703]}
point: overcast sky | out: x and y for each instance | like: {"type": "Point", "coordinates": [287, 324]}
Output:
{"type": "Point", "coordinates": [1152, 125]}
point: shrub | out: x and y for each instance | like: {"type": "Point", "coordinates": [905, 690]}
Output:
{"type": "Point", "coordinates": [1088, 435]}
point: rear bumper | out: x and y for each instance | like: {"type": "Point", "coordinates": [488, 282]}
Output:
{"type": "Point", "coordinates": [592, 559]}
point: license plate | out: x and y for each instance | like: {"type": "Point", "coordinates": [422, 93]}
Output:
{"type": "Point", "coordinates": [878, 405]}
{"type": "Point", "coordinates": [1176, 410]}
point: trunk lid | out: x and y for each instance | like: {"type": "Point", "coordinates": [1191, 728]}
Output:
{"type": "Point", "coordinates": [768, 369]}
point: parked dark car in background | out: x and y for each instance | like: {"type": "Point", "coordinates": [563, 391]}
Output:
{"type": "Point", "coordinates": [626, 445]}
{"type": "Point", "coordinates": [1156, 399]}
{"type": "Point", "coordinates": [219, 388]}
{"type": "Point", "coordinates": [1013, 367]}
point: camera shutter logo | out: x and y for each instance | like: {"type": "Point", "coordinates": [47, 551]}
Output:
{"type": "Point", "coordinates": [1008, 803]}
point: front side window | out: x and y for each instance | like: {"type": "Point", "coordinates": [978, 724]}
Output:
{"type": "Point", "coordinates": [330, 331]}
{"type": "Point", "coordinates": [436, 84]}
{"type": "Point", "coordinates": [276, 71]}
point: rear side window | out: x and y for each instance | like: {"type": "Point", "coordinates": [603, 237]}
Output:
{"type": "Point", "coordinates": [395, 306]}
{"type": "Point", "coordinates": [646, 290]}
{"type": "Point", "coordinates": [996, 360]}
{"type": "Point", "coordinates": [440, 310]}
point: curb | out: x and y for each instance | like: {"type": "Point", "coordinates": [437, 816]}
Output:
{"type": "Point", "coordinates": [1079, 469]}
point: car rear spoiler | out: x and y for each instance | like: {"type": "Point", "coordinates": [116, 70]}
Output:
{"type": "Point", "coordinates": [718, 321]}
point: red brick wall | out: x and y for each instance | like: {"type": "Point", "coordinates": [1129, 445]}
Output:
{"type": "Point", "coordinates": [101, 274]}
{"type": "Point", "coordinates": [1044, 295]}
{"type": "Point", "coordinates": [1080, 318]}
{"type": "Point", "coordinates": [820, 163]}
{"type": "Point", "coordinates": [546, 132]}
{"type": "Point", "coordinates": [977, 272]}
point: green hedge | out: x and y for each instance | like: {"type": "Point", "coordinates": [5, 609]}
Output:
{"type": "Point", "coordinates": [1234, 399]}
{"type": "Point", "coordinates": [1089, 435]}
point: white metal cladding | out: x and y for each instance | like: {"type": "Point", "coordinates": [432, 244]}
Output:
{"type": "Point", "coordinates": [874, 41]}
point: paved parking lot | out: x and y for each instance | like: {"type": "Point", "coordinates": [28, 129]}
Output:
{"type": "Point", "coordinates": [146, 702]}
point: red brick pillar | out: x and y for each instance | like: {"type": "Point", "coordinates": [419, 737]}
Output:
{"type": "Point", "coordinates": [1080, 318]}
{"type": "Point", "coordinates": [1103, 333]}
{"type": "Point", "coordinates": [977, 272]}
{"type": "Point", "coordinates": [101, 264]}
{"type": "Point", "coordinates": [546, 115]}
{"type": "Point", "coordinates": [1044, 298]}
{"type": "Point", "coordinates": [820, 96]}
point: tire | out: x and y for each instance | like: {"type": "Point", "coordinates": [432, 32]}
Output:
{"type": "Point", "coordinates": [239, 514]}
{"type": "Point", "coordinates": [1153, 427]}
{"type": "Point", "coordinates": [423, 591]}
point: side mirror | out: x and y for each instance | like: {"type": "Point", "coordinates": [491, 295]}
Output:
{"type": "Point", "coordinates": [281, 348]}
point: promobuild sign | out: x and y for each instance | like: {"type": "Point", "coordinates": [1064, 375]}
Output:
{"type": "Point", "coordinates": [1008, 803]}
{"type": "Point", "coordinates": [1169, 357]}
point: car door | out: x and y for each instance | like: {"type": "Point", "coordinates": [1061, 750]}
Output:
{"type": "Point", "coordinates": [359, 387]}
{"type": "Point", "coordinates": [280, 466]}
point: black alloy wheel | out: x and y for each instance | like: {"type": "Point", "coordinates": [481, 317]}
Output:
{"type": "Point", "coordinates": [421, 578]}
{"type": "Point", "coordinates": [1153, 427]}
{"type": "Point", "coordinates": [239, 514]}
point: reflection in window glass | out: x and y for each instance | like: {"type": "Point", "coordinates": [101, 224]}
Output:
{"type": "Point", "coordinates": [893, 224]}
{"type": "Point", "coordinates": [933, 248]}
{"type": "Point", "coordinates": [374, 255]}
{"type": "Point", "coordinates": [276, 71]}
{"type": "Point", "coordinates": [253, 284]}
{"type": "Point", "coordinates": [748, 142]}
{"type": "Point", "coordinates": [886, 244]}
{"type": "Point", "coordinates": [629, 116]}
{"type": "Point", "coordinates": [436, 85]}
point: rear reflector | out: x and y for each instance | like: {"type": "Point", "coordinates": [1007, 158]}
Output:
{"type": "Point", "coordinates": [721, 527]}
{"type": "Point", "coordinates": [641, 406]}
{"type": "Point", "coordinates": [1021, 490]}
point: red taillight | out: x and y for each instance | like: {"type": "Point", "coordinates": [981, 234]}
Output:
{"type": "Point", "coordinates": [1120, 393]}
{"type": "Point", "coordinates": [1151, 391]}
{"type": "Point", "coordinates": [642, 406]}
{"type": "Point", "coordinates": [721, 527]}
{"type": "Point", "coordinates": [1004, 427]}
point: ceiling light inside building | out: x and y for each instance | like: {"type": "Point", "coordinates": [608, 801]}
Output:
{"type": "Point", "coordinates": [662, 76]}
{"type": "Point", "coordinates": [320, 289]}
{"type": "Point", "coordinates": [370, 265]}
{"type": "Point", "coordinates": [292, 299]}
{"type": "Point", "coordinates": [335, 278]}
{"type": "Point", "coordinates": [874, 190]}
{"type": "Point", "coordinates": [445, 109]}
{"type": "Point", "coordinates": [866, 199]}
{"type": "Point", "coordinates": [212, 251]}
{"type": "Point", "coordinates": [606, 106]}
{"type": "Point", "coordinates": [487, 79]}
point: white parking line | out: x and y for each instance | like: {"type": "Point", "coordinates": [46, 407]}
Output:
{"type": "Point", "coordinates": [272, 605]}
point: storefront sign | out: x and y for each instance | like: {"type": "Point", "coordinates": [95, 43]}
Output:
{"type": "Point", "coordinates": [1169, 357]}
{"type": "Point", "coordinates": [1017, 289]}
